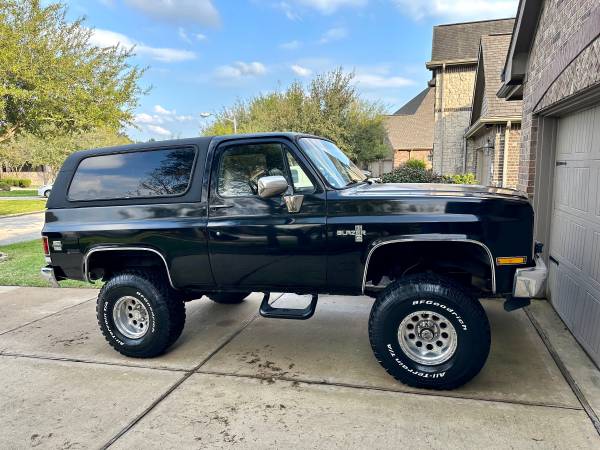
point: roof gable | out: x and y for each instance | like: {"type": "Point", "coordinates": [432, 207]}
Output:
{"type": "Point", "coordinates": [460, 41]}
{"type": "Point", "coordinates": [412, 126]}
{"type": "Point", "coordinates": [486, 104]}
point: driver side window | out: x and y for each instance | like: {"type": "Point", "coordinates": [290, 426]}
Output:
{"type": "Point", "coordinates": [242, 165]}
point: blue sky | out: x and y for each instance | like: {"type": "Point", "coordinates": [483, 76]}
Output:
{"type": "Point", "coordinates": [202, 55]}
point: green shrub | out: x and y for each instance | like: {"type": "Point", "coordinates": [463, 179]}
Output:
{"type": "Point", "coordinates": [465, 178]}
{"type": "Point", "coordinates": [416, 164]}
{"type": "Point", "coordinates": [407, 174]}
{"type": "Point", "coordinates": [4, 186]}
{"type": "Point", "coordinates": [16, 182]}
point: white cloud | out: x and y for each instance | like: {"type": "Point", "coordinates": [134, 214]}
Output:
{"type": "Point", "coordinates": [183, 35]}
{"type": "Point", "coordinates": [292, 45]}
{"type": "Point", "coordinates": [201, 12]}
{"type": "Point", "coordinates": [159, 130]}
{"type": "Point", "coordinates": [301, 71]}
{"type": "Point", "coordinates": [144, 118]}
{"type": "Point", "coordinates": [334, 34]}
{"type": "Point", "coordinates": [456, 10]}
{"type": "Point", "coordinates": [160, 110]}
{"type": "Point", "coordinates": [295, 9]}
{"type": "Point", "coordinates": [161, 116]}
{"type": "Point", "coordinates": [377, 81]}
{"type": "Point", "coordinates": [241, 69]}
{"type": "Point", "coordinates": [290, 12]}
{"type": "Point", "coordinates": [200, 37]}
{"type": "Point", "coordinates": [107, 38]}
{"type": "Point", "coordinates": [331, 6]}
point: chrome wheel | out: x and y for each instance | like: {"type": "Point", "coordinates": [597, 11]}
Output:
{"type": "Point", "coordinates": [427, 338]}
{"type": "Point", "coordinates": [131, 317]}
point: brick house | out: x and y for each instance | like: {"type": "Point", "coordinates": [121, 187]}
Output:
{"type": "Point", "coordinates": [453, 64]}
{"type": "Point", "coordinates": [553, 65]}
{"type": "Point", "coordinates": [410, 129]}
{"type": "Point", "coordinates": [493, 138]}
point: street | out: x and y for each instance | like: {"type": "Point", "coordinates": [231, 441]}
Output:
{"type": "Point", "coordinates": [21, 228]}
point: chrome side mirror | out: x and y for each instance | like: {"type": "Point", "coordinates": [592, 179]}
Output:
{"type": "Point", "coordinates": [271, 186]}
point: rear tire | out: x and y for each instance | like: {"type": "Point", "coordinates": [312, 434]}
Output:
{"type": "Point", "coordinates": [139, 314]}
{"type": "Point", "coordinates": [228, 298]}
{"type": "Point", "coordinates": [429, 332]}
{"type": "Point", "coordinates": [47, 193]}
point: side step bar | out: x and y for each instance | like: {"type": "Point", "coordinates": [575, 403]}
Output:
{"type": "Point", "coordinates": [270, 312]}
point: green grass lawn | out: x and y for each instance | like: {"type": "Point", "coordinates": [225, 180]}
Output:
{"type": "Point", "coordinates": [21, 206]}
{"type": "Point", "coordinates": [23, 266]}
{"type": "Point", "coordinates": [19, 193]}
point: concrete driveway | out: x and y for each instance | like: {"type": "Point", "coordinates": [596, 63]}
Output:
{"type": "Point", "coordinates": [236, 379]}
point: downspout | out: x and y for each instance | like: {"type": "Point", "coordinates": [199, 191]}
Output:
{"type": "Point", "coordinates": [442, 107]}
{"type": "Point", "coordinates": [505, 153]}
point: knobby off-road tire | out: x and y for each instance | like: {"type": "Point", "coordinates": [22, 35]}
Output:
{"type": "Point", "coordinates": [147, 297]}
{"type": "Point", "coordinates": [228, 298]}
{"type": "Point", "coordinates": [429, 332]}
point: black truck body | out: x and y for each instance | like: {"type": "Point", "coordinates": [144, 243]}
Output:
{"type": "Point", "coordinates": [184, 222]}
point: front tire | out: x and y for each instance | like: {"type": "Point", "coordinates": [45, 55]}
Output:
{"type": "Point", "coordinates": [139, 315]}
{"type": "Point", "coordinates": [429, 332]}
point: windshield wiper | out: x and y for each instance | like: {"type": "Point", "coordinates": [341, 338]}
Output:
{"type": "Point", "coordinates": [352, 182]}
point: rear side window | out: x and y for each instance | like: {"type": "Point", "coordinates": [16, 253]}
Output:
{"type": "Point", "coordinates": [155, 173]}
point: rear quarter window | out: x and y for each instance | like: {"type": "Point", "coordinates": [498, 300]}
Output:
{"type": "Point", "coordinates": [144, 174]}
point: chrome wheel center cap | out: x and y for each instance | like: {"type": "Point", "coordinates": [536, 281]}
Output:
{"type": "Point", "coordinates": [427, 334]}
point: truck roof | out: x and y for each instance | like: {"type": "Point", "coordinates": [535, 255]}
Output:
{"type": "Point", "coordinates": [202, 142]}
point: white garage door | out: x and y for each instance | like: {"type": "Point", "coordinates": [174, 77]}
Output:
{"type": "Point", "coordinates": [575, 235]}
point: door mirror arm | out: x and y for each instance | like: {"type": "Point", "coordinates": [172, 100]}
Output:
{"type": "Point", "coordinates": [293, 202]}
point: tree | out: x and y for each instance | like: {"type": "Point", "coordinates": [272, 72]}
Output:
{"type": "Point", "coordinates": [52, 150]}
{"type": "Point", "coordinates": [328, 106]}
{"type": "Point", "coordinates": [53, 80]}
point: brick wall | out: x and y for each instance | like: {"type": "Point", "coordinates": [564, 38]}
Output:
{"type": "Point", "coordinates": [561, 25]}
{"type": "Point", "coordinates": [453, 101]}
{"type": "Point", "coordinates": [401, 156]}
{"type": "Point", "coordinates": [479, 165]}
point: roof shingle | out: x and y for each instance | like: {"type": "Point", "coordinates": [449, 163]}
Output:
{"type": "Point", "coordinates": [411, 127]}
{"type": "Point", "coordinates": [493, 55]}
{"type": "Point", "coordinates": [460, 41]}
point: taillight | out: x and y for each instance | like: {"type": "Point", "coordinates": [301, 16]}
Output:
{"type": "Point", "coordinates": [45, 245]}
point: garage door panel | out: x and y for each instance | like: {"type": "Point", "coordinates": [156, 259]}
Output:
{"type": "Point", "coordinates": [568, 240]}
{"type": "Point", "coordinates": [595, 258]}
{"type": "Point", "coordinates": [575, 228]}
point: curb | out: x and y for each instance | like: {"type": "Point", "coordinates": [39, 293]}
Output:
{"type": "Point", "coordinates": [22, 214]}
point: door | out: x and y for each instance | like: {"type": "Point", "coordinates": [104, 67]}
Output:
{"type": "Point", "coordinates": [256, 242]}
{"type": "Point", "coordinates": [575, 228]}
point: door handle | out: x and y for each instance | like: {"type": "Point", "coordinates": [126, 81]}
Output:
{"type": "Point", "coordinates": [220, 206]}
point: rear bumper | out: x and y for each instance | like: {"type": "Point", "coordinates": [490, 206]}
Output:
{"type": "Point", "coordinates": [530, 282]}
{"type": "Point", "coordinates": [48, 274]}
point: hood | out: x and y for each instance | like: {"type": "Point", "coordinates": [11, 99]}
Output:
{"type": "Point", "coordinates": [433, 189]}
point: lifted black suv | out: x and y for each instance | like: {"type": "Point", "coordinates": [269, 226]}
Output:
{"type": "Point", "coordinates": [167, 222]}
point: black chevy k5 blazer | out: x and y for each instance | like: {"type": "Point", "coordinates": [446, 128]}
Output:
{"type": "Point", "coordinates": [163, 223]}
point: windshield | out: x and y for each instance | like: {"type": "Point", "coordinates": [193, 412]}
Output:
{"type": "Point", "coordinates": [336, 167]}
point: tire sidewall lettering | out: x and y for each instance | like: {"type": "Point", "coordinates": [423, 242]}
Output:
{"type": "Point", "coordinates": [449, 310]}
{"type": "Point", "coordinates": [418, 370]}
